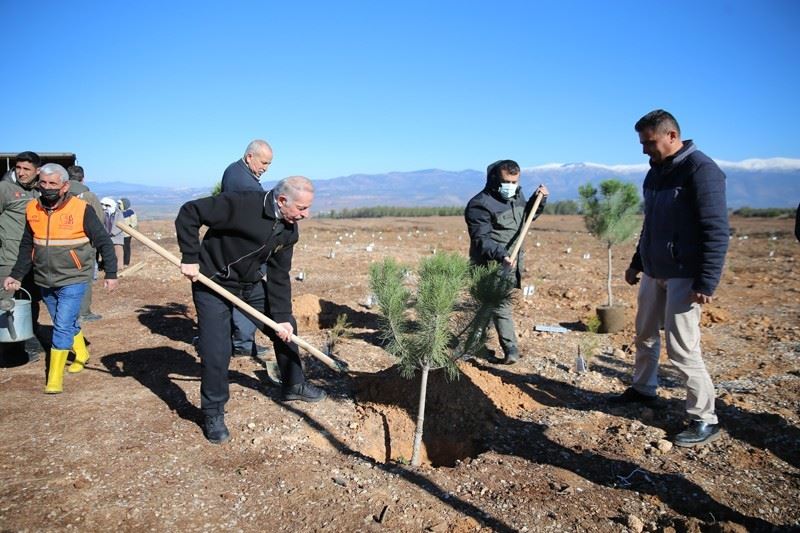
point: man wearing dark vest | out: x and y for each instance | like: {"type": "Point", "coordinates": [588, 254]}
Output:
{"type": "Point", "coordinates": [59, 243]}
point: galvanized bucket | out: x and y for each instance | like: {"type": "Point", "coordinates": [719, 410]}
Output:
{"type": "Point", "coordinates": [15, 319]}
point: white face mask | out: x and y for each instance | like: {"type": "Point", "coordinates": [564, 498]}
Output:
{"type": "Point", "coordinates": [508, 190]}
{"type": "Point", "coordinates": [109, 209]}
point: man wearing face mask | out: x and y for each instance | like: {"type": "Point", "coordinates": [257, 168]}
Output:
{"type": "Point", "coordinates": [245, 231]}
{"type": "Point", "coordinates": [14, 196]}
{"type": "Point", "coordinates": [494, 219]}
{"type": "Point", "coordinates": [60, 236]}
{"type": "Point", "coordinates": [111, 216]}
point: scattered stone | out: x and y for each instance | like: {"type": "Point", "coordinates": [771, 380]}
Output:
{"type": "Point", "coordinates": [618, 353]}
{"type": "Point", "coordinates": [635, 523]}
{"type": "Point", "coordinates": [664, 446]}
{"type": "Point", "coordinates": [81, 483]}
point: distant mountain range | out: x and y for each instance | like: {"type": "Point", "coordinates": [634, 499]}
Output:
{"type": "Point", "coordinates": [753, 182]}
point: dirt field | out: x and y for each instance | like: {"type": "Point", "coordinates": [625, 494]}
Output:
{"type": "Point", "coordinates": [529, 447]}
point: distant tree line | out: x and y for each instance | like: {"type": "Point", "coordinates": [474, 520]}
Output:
{"type": "Point", "coordinates": [766, 212]}
{"type": "Point", "coordinates": [390, 211]}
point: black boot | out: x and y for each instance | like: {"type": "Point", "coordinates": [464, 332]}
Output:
{"type": "Point", "coordinates": [697, 434]}
{"type": "Point", "coordinates": [215, 429]}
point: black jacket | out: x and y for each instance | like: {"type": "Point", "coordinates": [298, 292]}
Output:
{"type": "Point", "coordinates": [685, 230]}
{"type": "Point", "coordinates": [237, 177]}
{"type": "Point", "coordinates": [494, 223]}
{"type": "Point", "coordinates": [243, 233]}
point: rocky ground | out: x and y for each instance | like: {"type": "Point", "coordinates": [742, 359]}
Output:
{"type": "Point", "coordinates": [530, 447]}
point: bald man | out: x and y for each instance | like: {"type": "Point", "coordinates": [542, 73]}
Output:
{"type": "Point", "coordinates": [244, 175]}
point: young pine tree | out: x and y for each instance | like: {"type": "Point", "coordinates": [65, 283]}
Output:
{"type": "Point", "coordinates": [611, 215]}
{"type": "Point", "coordinates": [444, 321]}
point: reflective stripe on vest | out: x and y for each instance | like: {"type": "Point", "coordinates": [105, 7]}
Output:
{"type": "Point", "coordinates": [64, 226]}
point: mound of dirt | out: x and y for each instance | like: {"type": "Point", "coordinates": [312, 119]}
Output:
{"type": "Point", "coordinates": [459, 415]}
{"type": "Point", "coordinates": [307, 310]}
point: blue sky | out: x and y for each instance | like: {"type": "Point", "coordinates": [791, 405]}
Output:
{"type": "Point", "coordinates": [172, 92]}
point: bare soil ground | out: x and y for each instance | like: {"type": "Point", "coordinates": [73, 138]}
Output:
{"type": "Point", "coordinates": [529, 447]}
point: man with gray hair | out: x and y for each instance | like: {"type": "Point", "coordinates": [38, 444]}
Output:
{"type": "Point", "coordinates": [245, 231]}
{"type": "Point", "coordinates": [59, 243]}
{"type": "Point", "coordinates": [244, 175]}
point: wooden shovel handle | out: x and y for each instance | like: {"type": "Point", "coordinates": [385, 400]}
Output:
{"type": "Point", "coordinates": [238, 302]}
{"type": "Point", "coordinates": [528, 220]}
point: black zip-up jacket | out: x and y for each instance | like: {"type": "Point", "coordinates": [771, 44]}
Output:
{"type": "Point", "coordinates": [243, 233]}
{"type": "Point", "coordinates": [685, 230]}
{"type": "Point", "coordinates": [494, 223]}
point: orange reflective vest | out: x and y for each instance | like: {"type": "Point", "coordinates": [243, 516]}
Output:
{"type": "Point", "coordinates": [62, 253]}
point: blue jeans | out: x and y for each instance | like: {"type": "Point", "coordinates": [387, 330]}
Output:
{"type": "Point", "coordinates": [64, 305]}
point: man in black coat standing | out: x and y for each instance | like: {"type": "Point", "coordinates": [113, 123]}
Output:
{"type": "Point", "coordinates": [681, 253]}
{"type": "Point", "coordinates": [245, 231]}
{"type": "Point", "coordinates": [244, 175]}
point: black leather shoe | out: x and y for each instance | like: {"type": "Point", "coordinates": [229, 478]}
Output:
{"type": "Point", "coordinates": [697, 434]}
{"type": "Point", "coordinates": [305, 392]}
{"type": "Point", "coordinates": [90, 317]}
{"type": "Point", "coordinates": [215, 430]}
{"type": "Point", "coordinates": [632, 395]}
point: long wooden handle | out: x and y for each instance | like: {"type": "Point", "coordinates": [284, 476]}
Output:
{"type": "Point", "coordinates": [528, 220]}
{"type": "Point", "coordinates": [238, 302]}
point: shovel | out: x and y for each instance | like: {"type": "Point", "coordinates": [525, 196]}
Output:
{"type": "Point", "coordinates": [524, 232]}
{"type": "Point", "coordinates": [238, 302]}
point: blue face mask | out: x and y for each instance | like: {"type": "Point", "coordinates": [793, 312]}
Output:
{"type": "Point", "coordinates": [508, 190]}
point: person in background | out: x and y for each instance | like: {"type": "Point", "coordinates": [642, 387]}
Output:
{"type": "Point", "coordinates": [61, 234]}
{"type": "Point", "coordinates": [680, 254]}
{"type": "Point", "coordinates": [111, 216]}
{"type": "Point", "coordinates": [245, 230]}
{"type": "Point", "coordinates": [129, 217]}
{"type": "Point", "coordinates": [244, 175]}
{"type": "Point", "coordinates": [494, 219]}
{"type": "Point", "coordinates": [14, 197]}
{"type": "Point", "coordinates": [79, 189]}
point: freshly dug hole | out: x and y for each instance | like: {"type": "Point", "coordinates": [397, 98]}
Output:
{"type": "Point", "coordinates": [460, 416]}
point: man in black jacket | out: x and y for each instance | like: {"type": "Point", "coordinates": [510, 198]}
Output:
{"type": "Point", "coordinates": [245, 230]}
{"type": "Point", "coordinates": [494, 219]}
{"type": "Point", "coordinates": [681, 252]}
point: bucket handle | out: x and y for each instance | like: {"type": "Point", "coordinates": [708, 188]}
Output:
{"type": "Point", "coordinates": [26, 292]}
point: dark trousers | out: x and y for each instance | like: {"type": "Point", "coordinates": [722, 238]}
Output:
{"type": "Point", "coordinates": [214, 344]}
{"type": "Point", "coordinates": [126, 252]}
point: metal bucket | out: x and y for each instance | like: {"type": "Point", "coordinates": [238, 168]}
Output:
{"type": "Point", "coordinates": [15, 322]}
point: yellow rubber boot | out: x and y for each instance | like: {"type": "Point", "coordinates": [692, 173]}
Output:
{"type": "Point", "coordinates": [81, 354]}
{"type": "Point", "coordinates": [55, 374]}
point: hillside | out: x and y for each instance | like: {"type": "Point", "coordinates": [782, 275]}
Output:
{"type": "Point", "coordinates": [763, 183]}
